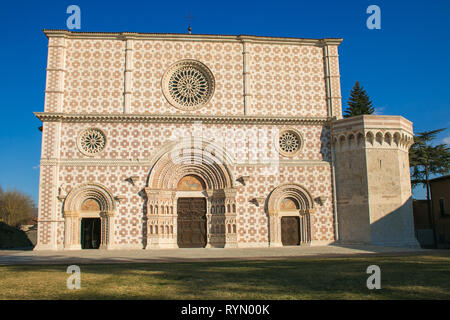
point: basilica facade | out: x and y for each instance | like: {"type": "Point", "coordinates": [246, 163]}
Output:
{"type": "Point", "coordinates": [180, 140]}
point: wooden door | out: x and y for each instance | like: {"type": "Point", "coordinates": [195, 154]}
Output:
{"type": "Point", "coordinates": [290, 231]}
{"type": "Point", "coordinates": [191, 223]}
{"type": "Point", "coordinates": [90, 233]}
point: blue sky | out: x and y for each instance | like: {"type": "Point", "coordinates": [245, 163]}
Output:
{"type": "Point", "coordinates": [404, 67]}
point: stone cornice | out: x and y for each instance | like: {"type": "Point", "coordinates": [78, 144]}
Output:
{"type": "Point", "coordinates": [172, 118]}
{"type": "Point", "coordinates": [372, 122]}
{"type": "Point", "coordinates": [146, 163]}
{"type": "Point", "coordinates": [188, 37]}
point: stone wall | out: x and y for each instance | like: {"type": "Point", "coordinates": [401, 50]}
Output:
{"type": "Point", "coordinates": [373, 180]}
{"type": "Point", "coordinates": [112, 83]}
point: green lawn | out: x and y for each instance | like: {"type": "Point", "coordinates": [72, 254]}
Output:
{"type": "Point", "coordinates": [402, 277]}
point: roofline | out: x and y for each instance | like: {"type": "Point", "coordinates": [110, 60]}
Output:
{"type": "Point", "coordinates": [372, 121]}
{"type": "Point", "coordinates": [187, 37]}
{"type": "Point", "coordinates": [173, 118]}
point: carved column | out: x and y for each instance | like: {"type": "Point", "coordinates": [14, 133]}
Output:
{"type": "Point", "coordinates": [152, 218]}
{"type": "Point", "coordinates": [54, 91]}
{"type": "Point", "coordinates": [230, 219]}
{"type": "Point", "coordinates": [246, 76]}
{"type": "Point", "coordinates": [332, 77]}
{"type": "Point", "coordinates": [107, 230]}
{"type": "Point", "coordinates": [221, 219]}
{"type": "Point", "coordinates": [161, 219]}
{"type": "Point", "coordinates": [213, 203]}
{"type": "Point", "coordinates": [72, 231]}
{"type": "Point", "coordinates": [55, 88]}
{"type": "Point", "coordinates": [49, 208]}
{"type": "Point", "coordinates": [127, 93]}
{"type": "Point", "coordinates": [274, 231]}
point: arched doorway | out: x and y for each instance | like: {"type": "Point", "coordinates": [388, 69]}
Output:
{"type": "Point", "coordinates": [195, 175]}
{"type": "Point", "coordinates": [191, 213]}
{"type": "Point", "coordinates": [289, 209]}
{"type": "Point", "coordinates": [191, 223]}
{"type": "Point", "coordinates": [90, 233]}
{"type": "Point", "coordinates": [290, 224]}
{"type": "Point", "coordinates": [90, 224]}
{"type": "Point", "coordinates": [89, 211]}
{"type": "Point", "coordinates": [290, 231]}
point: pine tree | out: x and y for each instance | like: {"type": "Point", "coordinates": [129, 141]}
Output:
{"type": "Point", "coordinates": [358, 103]}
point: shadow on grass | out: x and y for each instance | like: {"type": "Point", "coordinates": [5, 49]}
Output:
{"type": "Point", "coordinates": [403, 277]}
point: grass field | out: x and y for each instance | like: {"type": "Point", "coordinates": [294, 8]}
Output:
{"type": "Point", "coordinates": [402, 277]}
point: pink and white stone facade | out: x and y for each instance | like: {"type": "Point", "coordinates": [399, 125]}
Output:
{"type": "Point", "coordinates": [112, 83]}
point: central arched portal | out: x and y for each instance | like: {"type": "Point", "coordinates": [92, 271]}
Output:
{"type": "Point", "coordinates": [191, 197]}
{"type": "Point", "coordinates": [191, 213]}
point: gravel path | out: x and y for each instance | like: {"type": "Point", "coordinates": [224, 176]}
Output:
{"type": "Point", "coordinates": [17, 257]}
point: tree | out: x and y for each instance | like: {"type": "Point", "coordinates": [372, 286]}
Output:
{"type": "Point", "coordinates": [16, 207]}
{"type": "Point", "coordinates": [426, 160]}
{"type": "Point", "coordinates": [358, 103]}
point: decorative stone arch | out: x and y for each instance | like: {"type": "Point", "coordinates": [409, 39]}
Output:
{"type": "Point", "coordinates": [74, 210]}
{"type": "Point", "coordinates": [213, 166]}
{"type": "Point", "coordinates": [303, 210]}
{"type": "Point", "coordinates": [379, 138]}
{"type": "Point", "coordinates": [351, 141]}
{"type": "Point", "coordinates": [388, 138]}
{"type": "Point", "coordinates": [342, 142]}
{"type": "Point", "coordinates": [359, 139]}
{"type": "Point", "coordinates": [397, 138]}
{"type": "Point", "coordinates": [372, 139]}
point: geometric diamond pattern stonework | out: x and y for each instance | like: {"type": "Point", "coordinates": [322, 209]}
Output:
{"type": "Point", "coordinates": [258, 108]}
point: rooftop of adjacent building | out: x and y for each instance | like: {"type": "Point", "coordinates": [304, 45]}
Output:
{"type": "Point", "coordinates": [445, 177]}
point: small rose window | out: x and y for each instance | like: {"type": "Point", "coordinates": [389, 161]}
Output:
{"type": "Point", "coordinates": [91, 141]}
{"type": "Point", "coordinates": [289, 142]}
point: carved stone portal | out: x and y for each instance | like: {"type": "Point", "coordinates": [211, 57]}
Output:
{"type": "Point", "coordinates": [88, 201]}
{"type": "Point", "coordinates": [289, 209]}
{"type": "Point", "coordinates": [191, 169]}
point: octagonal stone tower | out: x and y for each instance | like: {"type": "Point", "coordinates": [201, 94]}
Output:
{"type": "Point", "coordinates": [373, 187]}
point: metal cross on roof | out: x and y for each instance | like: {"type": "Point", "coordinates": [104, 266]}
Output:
{"type": "Point", "coordinates": [189, 17]}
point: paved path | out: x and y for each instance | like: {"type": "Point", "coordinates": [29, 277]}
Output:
{"type": "Point", "coordinates": [9, 257]}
